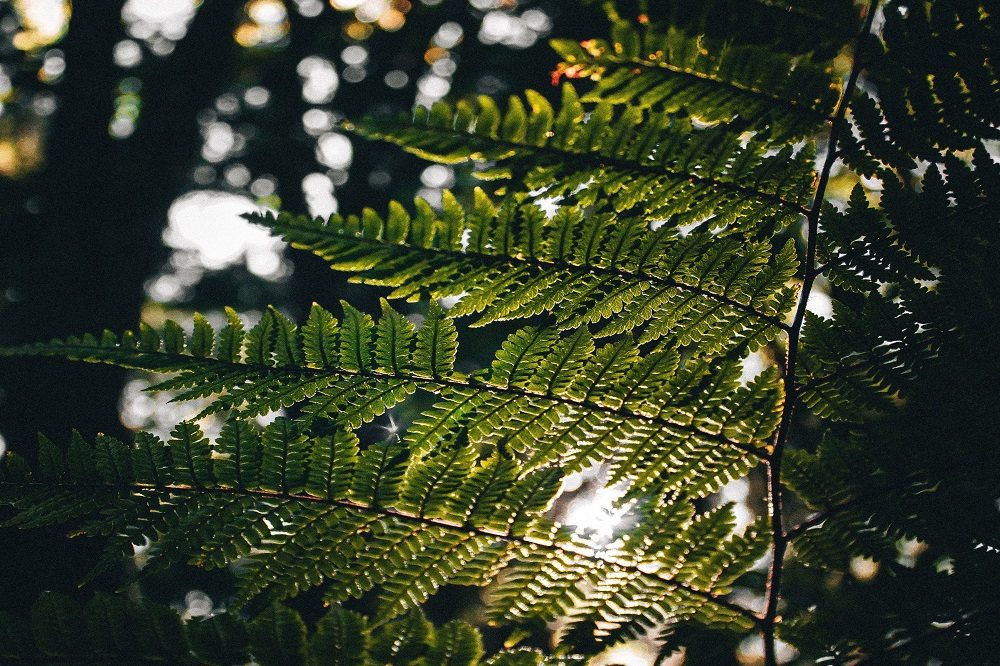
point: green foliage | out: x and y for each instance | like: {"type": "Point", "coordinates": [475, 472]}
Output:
{"type": "Point", "coordinates": [629, 158]}
{"type": "Point", "coordinates": [512, 262]}
{"type": "Point", "coordinates": [802, 26]}
{"type": "Point", "coordinates": [111, 629]}
{"type": "Point", "coordinates": [548, 397]}
{"type": "Point", "coordinates": [715, 81]}
{"type": "Point", "coordinates": [645, 235]}
{"type": "Point", "coordinates": [405, 523]}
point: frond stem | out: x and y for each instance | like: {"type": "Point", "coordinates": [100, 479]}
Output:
{"type": "Point", "coordinates": [773, 462]}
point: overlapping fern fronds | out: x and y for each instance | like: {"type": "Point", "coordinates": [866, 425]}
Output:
{"type": "Point", "coordinates": [648, 235]}
{"type": "Point", "coordinates": [629, 156]}
{"type": "Point", "coordinates": [111, 629]}
{"type": "Point", "coordinates": [800, 26]}
{"type": "Point", "coordinates": [671, 70]}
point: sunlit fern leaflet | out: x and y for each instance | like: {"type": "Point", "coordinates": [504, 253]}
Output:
{"type": "Point", "coordinates": [512, 262]}
{"type": "Point", "coordinates": [312, 509]}
{"type": "Point", "coordinates": [787, 97]}
{"type": "Point", "coordinates": [547, 398]}
{"type": "Point", "coordinates": [629, 156]}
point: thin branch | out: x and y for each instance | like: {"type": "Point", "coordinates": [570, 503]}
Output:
{"type": "Point", "coordinates": [773, 463]}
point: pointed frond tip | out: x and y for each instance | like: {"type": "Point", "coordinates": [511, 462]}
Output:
{"type": "Point", "coordinates": [314, 509]}
{"type": "Point", "coordinates": [548, 397]}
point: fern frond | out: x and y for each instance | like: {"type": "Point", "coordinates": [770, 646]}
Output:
{"type": "Point", "coordinates": [278, 635]}
{"type": "Point", "coordinates": [937, 81]}
{"type": "Point", "coordinates": [107, 628]}
{"type": "Point", "coordinates": [341, 637]}
{"type": "Point", "coordinates": [669, 69]}
{"type": "Point", "coordinates": [112, 629]}
{"type": "Point", "coordinates": [517, 263]}
{"type": "Point", "coordinates": [616, 603]}
{"type": "Point", "coordinates": [649, 416]}
{"type": "Point", "coordinates": [860, 361]}
{"type": "Point", "coordinates": [651, 225]}
{"type": "Point", "coordinates": [630, 157]}
{"type": "Point", "coordinates": [656, 427]}
{"type": "Point", "coordinates": [406, 525]}
{"type": "Point", "coordinates": [862, 250]}
{"type": "Point", "coordinates": [455, 644]}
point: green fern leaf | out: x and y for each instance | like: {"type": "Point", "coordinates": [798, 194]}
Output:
{"type": "Point", "coordinates": [455, 644]}
{"type": "Point", "coordinates": [788, 97]}
{"type": "Point", "coordinates": [437, 343]}
{"type": "Point", "coordinates": [598, 269]}
{"type": "Point", "coordinates": [379, 473]}
{"type": "Point", "coordinates": [58, 626]}
{"type": "Point", "coordinates": [240, 455]}
{"type": "Point", "coordinates": [392, 347]}
{"type": "Point", "coordinates": [191, 455]}
{"type": "Point", "coordinates": [634, 158]}
{"type": "Point", "coordinates": [284, 454]}
{"type": "Point", "coordinates": [341, 638]}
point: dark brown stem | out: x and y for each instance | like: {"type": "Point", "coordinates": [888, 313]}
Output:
{"type": "Point", "coordinates": [773, 462]}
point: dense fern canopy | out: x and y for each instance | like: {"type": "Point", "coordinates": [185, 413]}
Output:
{"type": "Point", "coordinates": [659, 241]}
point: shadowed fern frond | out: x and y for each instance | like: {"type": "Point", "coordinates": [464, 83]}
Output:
{"type": "Point", "coordinates": [803, 26]}
{"type": "Point", "coordinates": [787, 97]}
{"type": "Point", "coordinates": [112, 629]}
